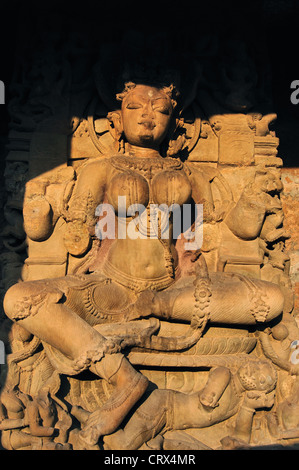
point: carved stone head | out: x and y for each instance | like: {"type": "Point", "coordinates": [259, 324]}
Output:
{"type": "Point", "coordinates": [145, 115]}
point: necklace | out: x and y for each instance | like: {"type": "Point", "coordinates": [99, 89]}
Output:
{"type": "Point", "coordinates": [145, 166]}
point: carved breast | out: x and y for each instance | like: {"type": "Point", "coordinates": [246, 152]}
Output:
{"type": "Point", "coordinates": [130, 184]}
{"type": "Point", "coordinates": [171, 187]}
{"type": "Point", "coordinates": [146, 185]}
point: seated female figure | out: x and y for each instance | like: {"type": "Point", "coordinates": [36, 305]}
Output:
{"type": "Point", "coordinates": [140, 275]}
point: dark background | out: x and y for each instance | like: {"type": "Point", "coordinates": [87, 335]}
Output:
{"type": "Point", "coordinates": [270, 23]}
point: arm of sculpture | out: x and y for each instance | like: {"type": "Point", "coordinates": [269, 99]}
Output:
{"type": "Point", "coordinates": [201, 191]}
{"type": "Point", "coordinates": [45, 199]}
{"type": "Point", "coordinates": [49, 197]}
{"type": "Point", "coordinates": [218, 380]}
{"type": "Point", "coordinates": [246, 218]}
{"type": "Point", "coordinates": [35, 422]}
{"type": "Point", "coordinates": [253, 400]}
{"type": "Point", "coordinates": [37, 212]}
{"type": "Point", "coordinates": [88, 194]}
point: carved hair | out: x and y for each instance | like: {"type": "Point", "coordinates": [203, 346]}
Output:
{"type": "Point", "coordinates": [249, 376]}
{"type": "Point", "coordinates": [169, 90]}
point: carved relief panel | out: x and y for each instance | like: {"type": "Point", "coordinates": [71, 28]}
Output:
{"type": "Point", "coordinates": [114, 343]}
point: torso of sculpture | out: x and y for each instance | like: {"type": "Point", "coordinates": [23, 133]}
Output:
{"type": "Point", "coordinates": [101, 320]}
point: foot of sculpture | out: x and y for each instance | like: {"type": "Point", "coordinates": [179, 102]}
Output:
{"type": "Point", "coordinates": [143, 306]}
{"type": "Point", "coordinates": [130, 385]}
{"type": "Point", "coordinates": [38, 443]}
{"type": "Point", "coordinates": [154, 444]}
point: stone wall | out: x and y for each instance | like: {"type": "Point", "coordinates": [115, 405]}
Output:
{"type": "Point", "coordinates": [290, 198]}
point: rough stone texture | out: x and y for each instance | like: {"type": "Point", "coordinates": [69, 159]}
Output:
{"type": "Point", "coordinates": [290, 200]}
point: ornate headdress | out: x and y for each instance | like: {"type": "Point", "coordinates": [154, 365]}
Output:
{"type": "Point", "coordinates": [148, 60]}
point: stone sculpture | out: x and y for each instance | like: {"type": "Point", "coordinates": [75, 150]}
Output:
{"type": "Point", "coordinates": [121, 338]}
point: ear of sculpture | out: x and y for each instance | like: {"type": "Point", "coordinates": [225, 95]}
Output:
{"type": "Point", "coordinates": [115, 126]}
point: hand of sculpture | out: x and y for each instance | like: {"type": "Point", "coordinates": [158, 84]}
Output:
{"type": "Point", "coordinates": [77, 239]}
{"type": "Point", "coordinates": [258, 399]}
{"type": "Point", "coordinates": [38, 214]}
{"type": "Point", "coordinates": [37, 211]}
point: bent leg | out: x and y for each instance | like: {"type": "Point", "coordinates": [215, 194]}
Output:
{"type": "Point", "coordinates": [235, 300]}
{"type": "Point", "coordinates": [39, 307]}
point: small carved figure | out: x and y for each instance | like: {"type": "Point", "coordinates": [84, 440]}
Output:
{"type": "Point", "coordinates": [224, 395]}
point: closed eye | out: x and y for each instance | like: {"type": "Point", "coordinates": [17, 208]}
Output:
{"type": "Point", "coordinates": [134, 105]}
{"type": "Point", "coordinates": [162, 110]}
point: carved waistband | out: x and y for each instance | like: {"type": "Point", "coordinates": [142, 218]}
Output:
{"type": "Point", "coordinates": [139, 284]}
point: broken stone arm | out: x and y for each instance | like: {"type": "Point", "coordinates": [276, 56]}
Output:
{"type": "Point", "coordinates": [246, 218]}
{"type": "Point", "coordinates": [80, 217]}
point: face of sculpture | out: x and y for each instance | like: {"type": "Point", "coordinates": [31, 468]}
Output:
{"type": "Point", "coordinates": [146, 113]}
